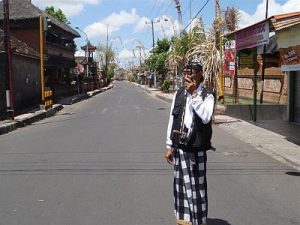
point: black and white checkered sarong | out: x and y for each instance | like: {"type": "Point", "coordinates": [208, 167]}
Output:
{"type": "Point", "coordinates": [190, 187]}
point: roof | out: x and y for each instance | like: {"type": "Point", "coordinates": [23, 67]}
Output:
{"type": "Point", "coordinates": [89, 46]}
{"type": "Point", "coordinates": [286, 20]}
{"type": "Point", "coordinates": [19, 47]}
{"type": "Point", "coordinates": [25, 10]}
{"type": "Point", "coordinates": [279, 22]}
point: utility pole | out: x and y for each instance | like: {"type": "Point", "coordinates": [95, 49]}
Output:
{"type": "Point", "coordinates": [264, 63]}
{"type": "Point", "coordinates": [221, 75]}
{"type": "Point", "coordinates": [7, 64]}
{"type": "Point", "coordinates": [178, 6]}
{"type": "Point", "coordinates": [152, 27]}
{"type": "Point", "coordinates": [153, 43]}
{"type": "Point", "coordinates": [42, 58]}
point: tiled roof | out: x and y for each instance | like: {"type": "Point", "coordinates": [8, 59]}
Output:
{"type": "Point", "coordinates": [24, 9]}
{"type": "Point", "coordinates": [89, 46]}
{"type": "Point", "coordinates": [19, 47]}
{"type": "Point", "coordinates": [286, 20]}
{"type": "Point", "coordinates": [279, 22]}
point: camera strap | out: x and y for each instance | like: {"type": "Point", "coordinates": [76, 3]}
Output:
{"type": "Point", "coordinates": [183, 113]}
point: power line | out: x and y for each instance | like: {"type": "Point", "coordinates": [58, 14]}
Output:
{"type": "Point", "coordinates": [196, 14]}
{"type": "Point", "coordinates": [185, 11]}
{"type": "Point", "coordinates": [168, 7]}
{"type": "Point", "coordinates": [153, 8]}
{"type": "Point", "coordinates": [162, 8]}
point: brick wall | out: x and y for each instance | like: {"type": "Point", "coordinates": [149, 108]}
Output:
{"type": "Point", "coordinates": [275, 87]}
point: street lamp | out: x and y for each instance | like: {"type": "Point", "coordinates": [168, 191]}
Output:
{"type": "Point", "coordinates": [169, 18]}
{"type": "Point", "coordinates": [152, 21]}
{"type": "Point", "coordinates": [86, 50]}
{"type": "Point", "coordinates": [153, 44]}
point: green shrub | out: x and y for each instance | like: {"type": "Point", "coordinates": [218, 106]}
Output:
{"type": "Point", "coordinates": [165, 85]}
{"type": "Point", "coordinates": [130, 78]}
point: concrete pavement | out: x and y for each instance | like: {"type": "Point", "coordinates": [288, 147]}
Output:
{"type": "Point", "coordinates": [269, 142]}
{"type": "Point", "coordinates": [23, 120]}
{"type": "Point", "coordinates": [275, 145]}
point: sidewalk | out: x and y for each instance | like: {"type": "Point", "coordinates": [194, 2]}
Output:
{"type": "Point", "coordinates": [26, 119]}
{"type": "Point", "coordinates": [278, 139]}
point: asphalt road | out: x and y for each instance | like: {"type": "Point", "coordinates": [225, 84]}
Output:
{"type": "Point", "coordinates": [101, 162]}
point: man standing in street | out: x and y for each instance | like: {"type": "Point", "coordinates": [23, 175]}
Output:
{"type": "Point", "coordinates": [188, 138]}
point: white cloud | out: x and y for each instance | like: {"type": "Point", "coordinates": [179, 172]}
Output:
{"type": "Point", "coordinates": [126, 54]}
{"type": "Point", "coordinates": [274, 8]}
{"type": "Point", "coordinates": [122, 18]}
{"type": "Point", "coordinates": [141, 24]}
{"type": "Point", "coordinates": [115, 21]}
{"type": "Point", "coordinates": [80, 53]}
{"type": "Point", "coordinates": [98, 29]}
{"type": "Point", "coordinates": [69, 7]}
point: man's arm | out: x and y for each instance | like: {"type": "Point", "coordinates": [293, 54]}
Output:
{"type": "Point", "coordinates": [204, 109]}
{"type": "Point", "coordinates": [169, 151]}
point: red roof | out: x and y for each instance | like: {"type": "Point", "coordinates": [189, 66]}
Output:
{"type": "Point", "coordinates": [279, 22]}
{"type": "Point", "coordinates": [286, 20]}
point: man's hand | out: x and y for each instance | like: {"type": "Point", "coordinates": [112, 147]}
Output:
{"type": "Point", "coordinates": [169, 155]}
{"type": "Point", "coordinates": [189, 84]}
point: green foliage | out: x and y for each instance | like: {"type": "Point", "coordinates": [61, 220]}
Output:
{"type": "Point", "coordinates": [130, 77]}
{"type": "Point", "coordinates": [180, 48]}
{"type": "Point", "coordinates": [198, 31]}
{"type": "Point", "coordinates": [106, 56]}
{"type": "Point", "coordinates": [111, 71]}
{"type": "Point", "coordinates": [58, 14]}
{"type": "Point", "coordinates": [165, 85]}
{"type": "Point", "coordinates": [157, 61]}
{"type": "Point", "coordinates": [162, 46]}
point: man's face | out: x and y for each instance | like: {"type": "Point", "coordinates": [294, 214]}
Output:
{"type": "Point", "coordinates": [187, 72]}
{"type": "Point", "coordinates": [197, 75]}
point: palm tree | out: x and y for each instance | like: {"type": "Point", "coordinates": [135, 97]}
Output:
{"type": "Point", "coordinates": [106, 56]}
{"type": "Point", "coordinates": [203, 46]}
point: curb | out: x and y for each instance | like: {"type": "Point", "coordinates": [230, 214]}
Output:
{"type": "Point", "coordinates": [162, 97]}
{"type": "Point", "coordinates": [27, 119]}
{"type": "Point", "coordinates": [34, 117]}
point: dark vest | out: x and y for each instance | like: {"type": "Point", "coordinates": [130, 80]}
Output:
{"type": "Point", "coordinates": [200, 138]}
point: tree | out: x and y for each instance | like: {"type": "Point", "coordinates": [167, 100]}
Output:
{"type": "Point", "coordinates": [205, 47]}
{"type": "Point", "coordinates": [180, 48]}
{"type": "Point", "coordinates": [232, 16]}
{"type": "Point", "coordinates": [158, 58]}
{"type": "Point", "coordinates": [58, 14]}
{"type": "Point", "coordinates": [106, 56]}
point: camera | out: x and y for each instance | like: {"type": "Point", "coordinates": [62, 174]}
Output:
{"type": "Point", "coordinates": [181, 137]}
{"type": "Point", "coordinates": [184, 137]}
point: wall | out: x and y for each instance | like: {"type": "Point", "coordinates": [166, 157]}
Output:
{"type": "Point", "coordinates": [272, 88]}
{"type": "Point", "coordinates": [26, 82]}
{"type": "Point", "coordinates": [264, 112]}
{"type": "Point", "coordinates": [29, 36]}
{"type": "Point", "coordinates": [288, 37]}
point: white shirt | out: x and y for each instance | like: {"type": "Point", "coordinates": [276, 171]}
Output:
{"type": "Point", "coordinates": [204, 110]}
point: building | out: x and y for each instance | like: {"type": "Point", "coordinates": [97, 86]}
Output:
{"type": "Point", "coordinates": [26, 76]}
{"type": "Point", "coordinates": [281, 35]}
{"type": "Point", "coordinates": [91, 75]}
{"type": "Point", "coordinates": [58, 43]}
{"type": "Point", "coordinates": [287, 28]}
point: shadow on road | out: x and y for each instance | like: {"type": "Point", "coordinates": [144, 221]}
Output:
{"type": "Point", "coordinates": [217, 222]}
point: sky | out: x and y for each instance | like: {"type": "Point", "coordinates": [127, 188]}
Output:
{"type": "Point", "coordinates": [124, 21]}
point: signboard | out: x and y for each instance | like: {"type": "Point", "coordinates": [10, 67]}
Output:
{"type": "Point", "coordinates": [290, 58]}
{"type": "Point", "coordinates": [246, 60]}
{"type": "Point", "coordinates": [253, 36]}
{"type": "Point", "coordinates": [229, 58]}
